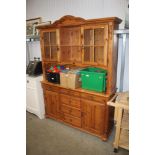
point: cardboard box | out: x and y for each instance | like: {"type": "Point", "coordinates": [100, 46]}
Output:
{"type": "Point", "coordinates": [70, 79]}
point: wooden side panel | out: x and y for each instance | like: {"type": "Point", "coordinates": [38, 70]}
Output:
{"type": "Point", "coordinates": [114, 62]}
{"type": "Point", "coordinates": [112, 59]}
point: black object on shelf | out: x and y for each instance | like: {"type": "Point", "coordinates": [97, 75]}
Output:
{"type": "Point", "coordinates": [53, 77]}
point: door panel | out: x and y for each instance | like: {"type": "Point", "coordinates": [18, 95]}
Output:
{"type": "Point", "coordinates": [95, 44]}
{"type": "Point", "coordinates": [50, 45]}
{"type": "Point", "coordinates": [51, 105]}
{"type": "Point", "coordinates": [93, 116]}
{"type": "Point", "coordinates": [86, 111]}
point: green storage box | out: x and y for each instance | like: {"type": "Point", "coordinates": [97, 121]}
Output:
{"type": "Point", "coordinates": [94, 79]}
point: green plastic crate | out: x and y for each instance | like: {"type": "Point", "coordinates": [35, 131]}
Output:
{"type": "Point", "coordinates": [94, 79]}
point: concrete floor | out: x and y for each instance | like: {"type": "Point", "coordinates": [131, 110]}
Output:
{"type": "Point", "coordinates": [48, 137]}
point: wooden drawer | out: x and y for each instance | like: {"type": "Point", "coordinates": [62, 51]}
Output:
{"type": "Point", "coordinates": [72, 120]}
{"type": "Point", "coordinates": [93, 97]}
{"type": "Point", "coordinates": [75, 102]}
{"type": "Point", "coordinates": [64, 91]}
{"type": "Point", "coordinates": [70, 110]}
{"type": "Point", "coordinates": [99, 99]}
{"type": "Point", "coordinates": [87, 96]}
{"type": "Point", "coordinates": [51, 88]}
{"type": "Point", "coordinates": [74, 93]}
{"type": "Point", "coordinates": [64, 99]}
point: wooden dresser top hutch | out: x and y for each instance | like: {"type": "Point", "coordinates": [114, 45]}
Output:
{"type": "Point", "coordinates": [78, 42]}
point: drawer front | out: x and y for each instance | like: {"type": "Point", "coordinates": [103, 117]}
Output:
{"type": "Point", "coordinates": [98, 99]}
{"type": "Point", "coordinates": [75, 102]}
{"type": "Point", "coordinates": [93, 97]}
{"type": "Point", "coordinates": [72, 120]}
{"type": "Point", "coordinates": [87, 96]}
{"type": "Point", "coordinates": [64, 91]}
{"type": "Point", "coordinates": [64, 99]}
{"type": "Point", "coordinates": [70, 110]}
{"type": "Point", "coordinates": [51, 88]}
{"type": "Point", "coordinates": [74, 93]}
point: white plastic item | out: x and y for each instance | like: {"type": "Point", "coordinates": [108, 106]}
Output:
{"type": "Point", "coordinates": [34, 96]}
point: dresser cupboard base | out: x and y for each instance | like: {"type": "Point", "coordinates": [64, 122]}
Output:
{"type": "Point", "coordinates": [78, 109]}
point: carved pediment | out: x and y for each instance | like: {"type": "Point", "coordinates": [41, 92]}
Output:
{"type": "Point", "coordinates": [69, 20]}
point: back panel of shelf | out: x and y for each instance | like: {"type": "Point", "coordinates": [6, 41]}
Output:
{"type": "Point", "coordinates": [70, 44]}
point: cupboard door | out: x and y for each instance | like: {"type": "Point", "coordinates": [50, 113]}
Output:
{"type": "Point", "coordinates": [93, 116]}
{"type": "Point", "coordinates": [95, 45]}
{"type": "Point", "coordinates": [88, 45]}
{"type": "Point", "coordinates": [50, 45]}
{"type": "Point", "coordinates": [101, 45]}
{"type": "Point", "coordinates": [46, 46]}
{"type": "Point", "coordinates": [51, 104]}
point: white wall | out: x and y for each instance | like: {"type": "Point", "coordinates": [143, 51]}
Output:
{"type": "Point", "coordinates": [54, 9]}
{"type": "Point", "coordinates": [51, 10]}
